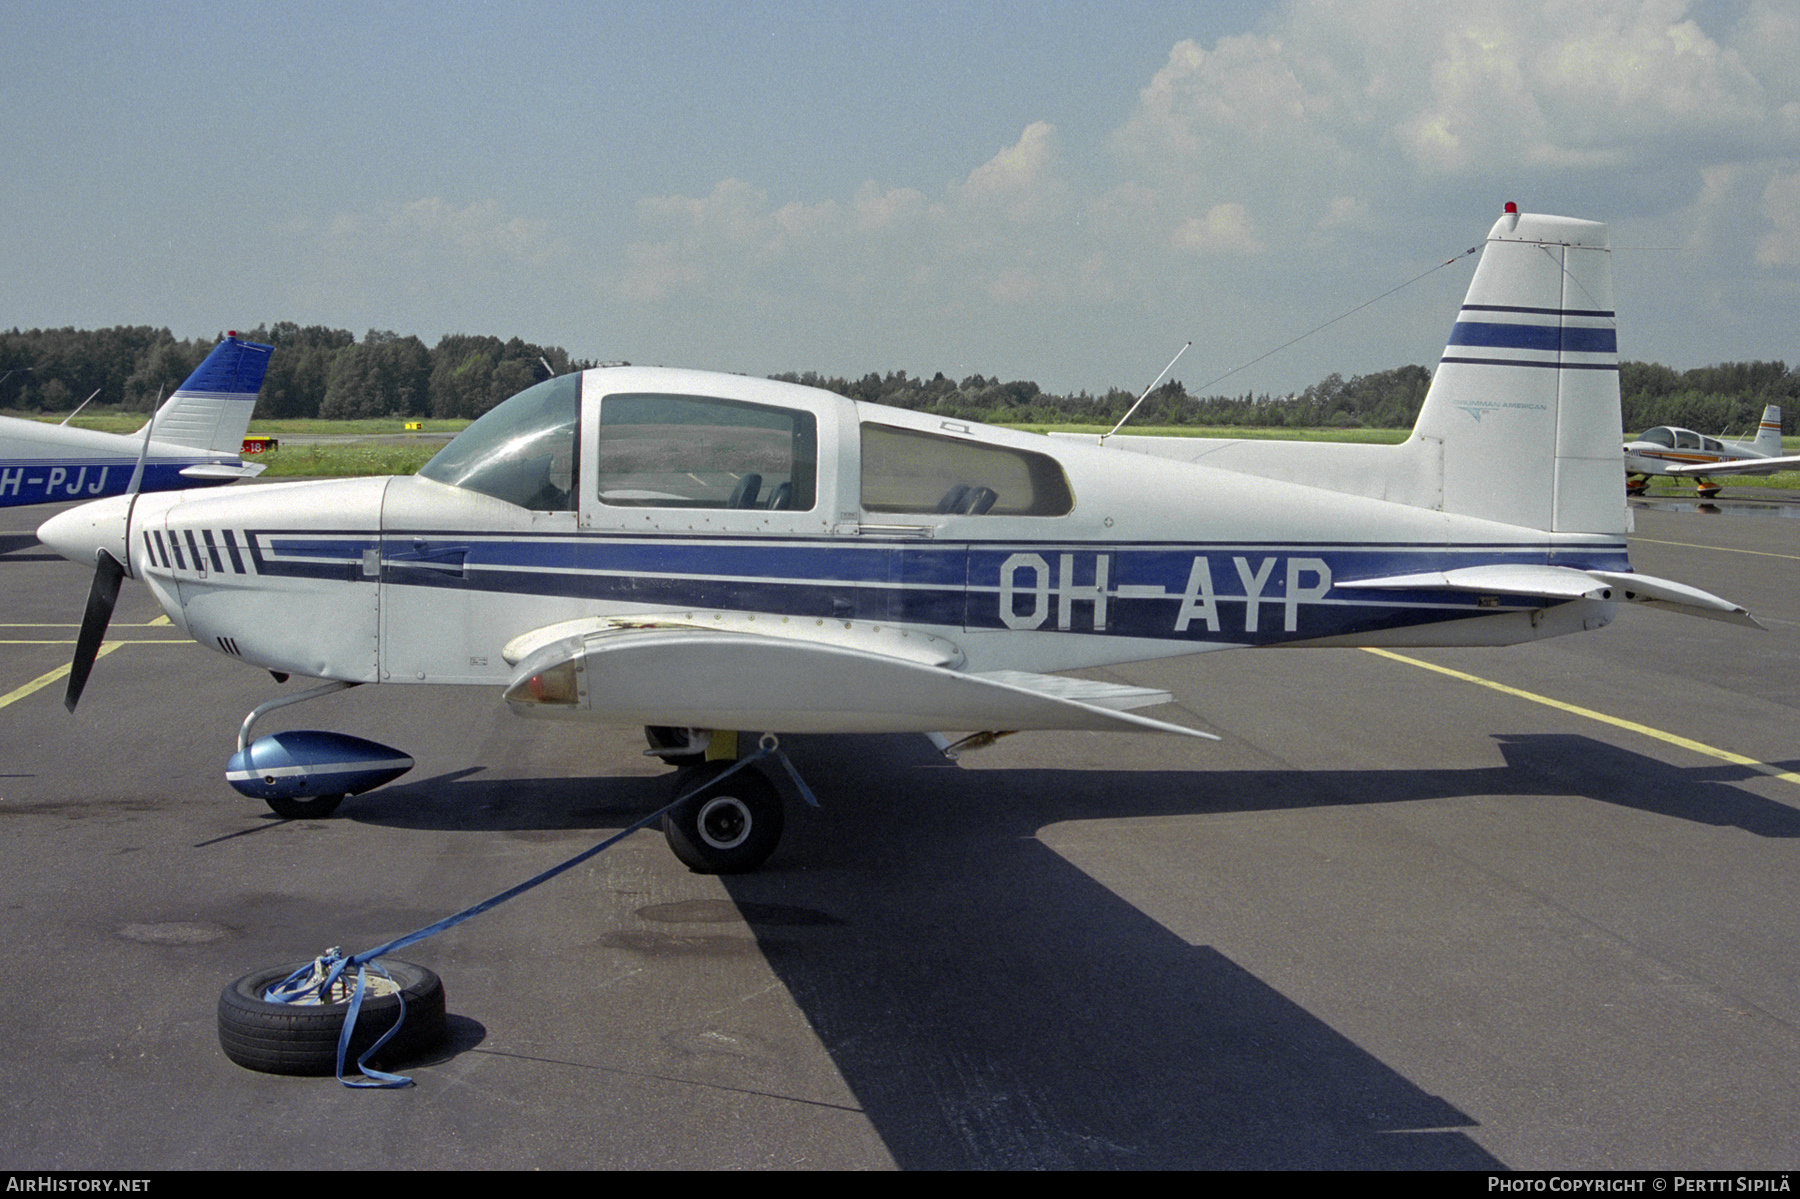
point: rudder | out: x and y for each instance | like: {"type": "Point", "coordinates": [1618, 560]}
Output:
{"type": "Point", "coordinates": [1525, 403]}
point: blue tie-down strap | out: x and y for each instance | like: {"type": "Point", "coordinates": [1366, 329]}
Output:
{"type": "Point", "coordinates": [322, 982]}
{"type": "Point", "coordinates": [314, 983]}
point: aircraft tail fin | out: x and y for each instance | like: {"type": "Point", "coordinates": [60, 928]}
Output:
{"type": "Point", "coordinates": [211, 411]}
{"type": "Point", "coordinates": [1768, 433]}
{"type": "Point", "coordinates": [1524, 408]}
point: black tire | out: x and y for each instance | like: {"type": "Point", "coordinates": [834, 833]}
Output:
{"type": "Point", "coordinates": [664, 737]}
{"type": "Point", "coordinates": [284, 1038]}
{"type": "Point", "coordinates": [727, 827]}
{"type": "Point", "coordinates": [314, 807]}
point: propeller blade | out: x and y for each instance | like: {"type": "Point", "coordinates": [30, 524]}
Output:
{"type": "Point", "coordinates": [102, 595]}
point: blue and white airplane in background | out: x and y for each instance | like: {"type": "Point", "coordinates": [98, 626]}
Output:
{"type": "Point", "coordinates": [1685, 454]}
{"type": "Point", "coordinates": [193, 440]}
{"type": "Point", "coordinates": [700, 553]}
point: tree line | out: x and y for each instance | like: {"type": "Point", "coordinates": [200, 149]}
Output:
{"type": "Point", "coordinates": [314, 371]}
{"type": "Point", "coordinates": [329, 373]}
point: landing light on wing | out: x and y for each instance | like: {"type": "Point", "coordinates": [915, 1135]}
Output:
{"type": "Point", "coordinates": [553, 685]}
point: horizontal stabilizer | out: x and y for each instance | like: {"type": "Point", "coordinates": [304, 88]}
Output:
{"type": "Point", "coordinates": [1677, 597]}
{"type": "Point", "coordinates": [224, 470]}
{"type": "Point", "coordinates": [1737, 466]}
{"type": "Point", "coordinates": [704, 678]}
{"type": "Point", "coordinates": [1548, 582]}
{"type": "Point", "coordinates": [1564, 583]}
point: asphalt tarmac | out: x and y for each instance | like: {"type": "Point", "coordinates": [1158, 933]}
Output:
{"type": "Point", "coordinates": [1397, 918]}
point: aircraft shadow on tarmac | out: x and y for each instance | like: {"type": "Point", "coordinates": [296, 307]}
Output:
{"type": "Point", "coordinates": [991, 1005]}
{"type": "Point", "coordinates": [1025, 800]}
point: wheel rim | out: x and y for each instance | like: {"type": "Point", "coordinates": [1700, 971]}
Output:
{"type": "Point", "coordinates": [724, 822]}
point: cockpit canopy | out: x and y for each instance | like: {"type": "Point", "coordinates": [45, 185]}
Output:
{"type": "Point", "coordinates": [1680, 439]}
{"type": "Point", "coordinates": [618, 456]}
{"type": "Point", "coordinates": [523, 451]}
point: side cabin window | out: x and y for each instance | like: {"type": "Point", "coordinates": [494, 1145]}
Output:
{"type": "Point", "coordinates": [1685, 440]}
{"type": "Point", "coordinates": [1659, 436]}
{"type": "Point", "coordinates": [682, 451]}
{"type": "Point", "coordinates": [904, 470]}
{"type": "Point", "coordinates": [521, 451]}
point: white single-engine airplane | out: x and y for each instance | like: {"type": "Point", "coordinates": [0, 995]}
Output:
{"type": "Point", "coordinates": [695, 552]}
{"type": "Point", "coordinates": [193, 439]}
{"type": "Point", "coordinates": [1686, 454]}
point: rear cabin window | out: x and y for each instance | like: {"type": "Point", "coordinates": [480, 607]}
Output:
{"type": "Point", "coordinates": [907, 471]}
{"type": "Point", "coordinates": [681, 451]}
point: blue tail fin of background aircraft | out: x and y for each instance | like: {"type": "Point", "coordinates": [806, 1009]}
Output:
{"type": "Point", "coordinates": [211, 411]}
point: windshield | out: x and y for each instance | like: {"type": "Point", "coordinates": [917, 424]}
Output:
{"type": "Point", "coordinates": [522, 451]}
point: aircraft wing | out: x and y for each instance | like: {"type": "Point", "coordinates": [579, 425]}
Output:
{"type": "Point", "coordinates": [798, 675]}
{"type": "Point", "coordinates": [1737, 466]}
{"type": "Point", "coordinates": [1565, 583]}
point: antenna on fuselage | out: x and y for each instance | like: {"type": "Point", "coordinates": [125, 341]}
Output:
{"type": "Point", "coordinates": [1147, 391]}
{"type": "Point", "coordinates": [65, 420]}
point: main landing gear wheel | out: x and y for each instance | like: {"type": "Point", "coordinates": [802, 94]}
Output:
{"type": "Point", "coordinates": [296, 1038]}
{"type": "Point", "coordinates": [728, 826]}
{"type": "Point", "coordinates": [312, 807]}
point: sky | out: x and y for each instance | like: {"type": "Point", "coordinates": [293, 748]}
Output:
{"type": "Point", "coordinates": [1060, 192]}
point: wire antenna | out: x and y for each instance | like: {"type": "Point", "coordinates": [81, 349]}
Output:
{"type": "Point", "coordinates": [1201, 389]}
{"type": "Point", "coordinates": [1217, 379]}
{"type": "Point", "coordinates": [1147, 391]}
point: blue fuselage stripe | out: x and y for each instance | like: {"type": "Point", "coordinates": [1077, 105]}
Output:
{"type": "Point", "coordinates": [1187, 591]}
{"type": "Point", "coordinates": [47, 481]}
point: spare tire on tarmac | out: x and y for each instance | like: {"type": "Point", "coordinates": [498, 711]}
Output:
{"type": "Point", "coordinates": [299, 1038]}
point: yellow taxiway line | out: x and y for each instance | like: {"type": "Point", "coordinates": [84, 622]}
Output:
{"type": "Point", "coordinates": [1723, 549]}
{"type": "Point", "coordinates": [61, 672]}
{"type": "Point", "coordinates": [1688, 743]}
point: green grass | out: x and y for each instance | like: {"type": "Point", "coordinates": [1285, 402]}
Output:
{"type": "Point", "coordinates": [334, 461]}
